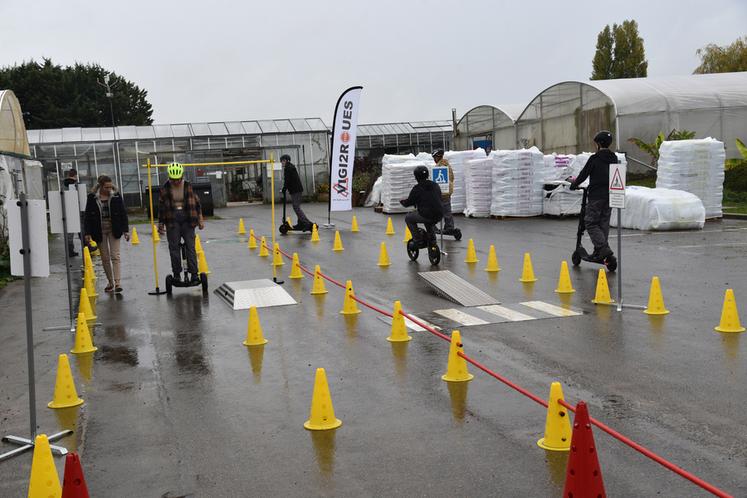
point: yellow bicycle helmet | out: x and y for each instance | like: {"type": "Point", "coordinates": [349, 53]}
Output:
{"type": "Point", "coordinates": [176, 171]}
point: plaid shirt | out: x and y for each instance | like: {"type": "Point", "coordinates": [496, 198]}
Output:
{"type": "Point", "coordinates": [166, 205]}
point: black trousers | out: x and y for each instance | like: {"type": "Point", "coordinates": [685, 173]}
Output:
{"type": "Point", "coordinates": [179, 229]}
{"type": "Point", "coordinates": [597, 220]}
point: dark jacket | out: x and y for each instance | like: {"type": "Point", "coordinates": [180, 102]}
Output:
{"type": "Point", "coordinates": [69, 181]}
{"type": "Point", "coordinates": [92, 217]}
{"type": "Point", "coordinates": [426, 196]}
{"type": "Point", "coordinates": [597, 169]}
{"type": "Point", "coordinates": [291, 180]}
{"type": "Point", "coordinates": [166, 204]}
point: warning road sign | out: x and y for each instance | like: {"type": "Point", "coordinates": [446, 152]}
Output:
{"type": "Point", "coordinates": [617, 186]}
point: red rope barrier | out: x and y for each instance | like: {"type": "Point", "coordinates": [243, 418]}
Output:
{"type": "Point", "coordinates": [629, 442]}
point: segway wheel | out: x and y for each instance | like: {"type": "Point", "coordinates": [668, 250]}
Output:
{"type": "Point", "coordinates": [576, 259]}
{"type": "Point", "coordinates": [434, 254]}
{"type": "Point", "coordinates": [412, 250]}
{"type": "Point", "coordinates": [611, 263]}
{"type": "Point", "coordinates": [169, 282]}
{"type": "Point", "coordinates": [204, 282]}
{"type": "Point", "coordinates": [457, 234]}
{"type": "Point", "coordinates": [284, 229]}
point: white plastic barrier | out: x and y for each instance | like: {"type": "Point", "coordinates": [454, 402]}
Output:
{"type": "Point", "coordinates": [695, 166]}
{"type": "Point", "coordinates": [660, 209]}
{"type": "Point", "coordinates": [478, 183]}
{"type": "Point", "coordinates": [517, 182]}
{"type": "Point", "coordinates": [457, 159]}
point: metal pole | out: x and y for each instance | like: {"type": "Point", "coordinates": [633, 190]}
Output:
{"type": "Point", "coordinates": [67, 259]}
{"type": "Point", "coordinates": [272, 217]}
{"type": "Point", "coordinates": [619, 261]}
{"type": "Point", "coordinates": [156, 292]}
{"type": "Point", "coordinates": [23, 203]}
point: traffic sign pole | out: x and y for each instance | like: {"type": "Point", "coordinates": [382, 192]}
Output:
{"type": "Point", "coordinates": [617, 200]}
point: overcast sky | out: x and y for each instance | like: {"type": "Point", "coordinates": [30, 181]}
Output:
{"type": "Point", "coordinates": [221, 60]}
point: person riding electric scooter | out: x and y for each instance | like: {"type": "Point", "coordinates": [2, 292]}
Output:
{"type": "Point", "coordinates": [596, 211]}
{"type": "Point", "coordinates": [426, 197]}
{"type": "Point", "coordinates": [292, 184]}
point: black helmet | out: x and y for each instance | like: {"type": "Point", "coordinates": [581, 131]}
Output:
{"type": "Point", "coordinates": [421, 173]}
{"type": "Point", "coordinates": [285, 157]}
{"type": "Point", "coordinates": [438, 153]}
{"type": "Point", "coordinates": [603, 138]}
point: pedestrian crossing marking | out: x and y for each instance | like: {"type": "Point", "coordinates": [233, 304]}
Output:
{"type": "Point", "coordinates": [414, 326]}
{"type": "Point", "coordinates": [508, 314]}
{"type": "Point", "coordinates": [550, 308]}
{"type": "Point", "coordinates": [463, 318]}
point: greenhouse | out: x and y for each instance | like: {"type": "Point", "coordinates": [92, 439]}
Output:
{"type": "Point", "coordinates": [488, 127]}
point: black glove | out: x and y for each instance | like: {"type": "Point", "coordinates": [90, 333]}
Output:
{"type": "Point", "coordinates": [284, 190]}
{"type": "Point", "coordinates": [573, 186]}
{"type": "Point", "coordinates": [403, 202]}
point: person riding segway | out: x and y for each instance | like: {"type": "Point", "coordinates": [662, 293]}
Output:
{"type": "Point", "coordinates": [426, 197]}
{"type": "Point", "coordinates": [448, 225]}
{"type": "Point", "coordinates": [179, 212]}
{"type": "Point", "coordinates": [595, 206]}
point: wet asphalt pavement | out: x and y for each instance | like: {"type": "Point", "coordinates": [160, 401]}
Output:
{"type": "Point", "coordinates": [176, 406]}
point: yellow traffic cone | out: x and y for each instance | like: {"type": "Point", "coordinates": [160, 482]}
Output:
{"type": "Point", "coordinates": [252, 242]}
{"type": "Point", "coordinates": [83, 341]}
{"type": "Point", "coordinates": [655, 299]}
{"type": "Point", "coordinates": [318, 287]}
{"type": "Point", "coordinates": [456, 369]}
{"type": "Point", "coordinates": [242, 229]}
{"type": "Point", "coordinates": [263, 249]}
{"type": "Point", "coordinates": [134, 239]}
{"type": "Point", "coordinates": [295, 268]}
{"type": "Point", "coordinates": [315, 233]}
{"type": "Point", "coordinates": [492, 261]}
{"type": "Point", "coordinates": [65, 395]}
{"type": "Point", "coordinates": [277, 258]}
{"type": "Point", "coordinates": [389, 226]}
{"type": "Point", "coordinates": [471, 253]}
{"type": "Point", "coordinates": [399, 330]}
{"type": "Point", "coordinates": [84, 306]}
{"type": "Point", "coordinates": [729, 315]}
{"type": "Point", "coordinates": [383, 255]}
{"type": "Point", "coordinates": [198, 243]}
{"type": "Point", "coordinates": [557, 424]}
{"type": "Point", "coordinates": [154, 232]}
{"type": "Point", "coordinates": [88, 283]}
{"type": "Point", "coordinates": [88, 262]}
{"type": "Point", "coordinates": [564, 280]}
{"type": "Point", "coordinates": [354, 225]}
{"type": "Point", "coordinates": [527, 273]}
{"type": "Point", "coordinates": [202, 265]}
{"type": "Point", "coordinates": [44, 481]}
{"type": "Point", "coordinates": [349, 305]}
{"type": "Point", "coordinates": [338, 242]}
{"type": "Point", "coordinates": [408, 235]}
{"type": "Point", "coordinates": [322, 414]}
{"type": "Point", "coordinates": [602, 295]}
{"type": "Point", "coordinates": [254, 336]}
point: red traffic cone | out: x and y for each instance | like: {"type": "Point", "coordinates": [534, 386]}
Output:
{"type": "Point", "coordinates": [74, 484]}
{"type": "Point", "coordinates": [583, 477]}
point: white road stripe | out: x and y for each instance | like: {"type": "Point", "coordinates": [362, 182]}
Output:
{"type": "Point", "coordinates": [417, 328]}
{"type": "Point", "coordinates": [550, 308]}
{"type": "Point", "coordinates": [506, 313]}
{"type": "Point", "coordinates": [461, 317]}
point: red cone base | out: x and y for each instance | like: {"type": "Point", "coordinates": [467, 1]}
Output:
{"type": "Point", "coordinates": [583, 477]}
{"type": "Point", "coordinates": [74, 484]}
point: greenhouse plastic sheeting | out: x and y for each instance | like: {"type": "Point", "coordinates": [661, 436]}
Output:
{"type": "Point", "coordinates": [660, 209]}
{"type": "Point", "coordinates": [695, 166]}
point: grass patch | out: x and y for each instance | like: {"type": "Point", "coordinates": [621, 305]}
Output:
{"type": "Point", "coordinates": [735, 202]}
{"type": "Point", "coordinates": [5, 276]}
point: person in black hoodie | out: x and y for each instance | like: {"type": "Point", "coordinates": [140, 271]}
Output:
{"type": "Point", "coordinates": [426, 197]}
{"type": "Point", "coordinates": [598, 210]}
{"type": "Point", "coordinates": [106, 222]}
{"type": "Point", "coordinates": [292, 184]}
{"type": "Point", "coordinates": [71, 180]}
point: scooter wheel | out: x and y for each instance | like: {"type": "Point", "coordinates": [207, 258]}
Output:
{"type": "Point", "coordinates": [434, 254]}
{"type": "Point", "coordinates": [283, 229]}
{"type": "Point", "coordinates": [457, 234]}
{"type": "Point", "coordinates": [169, 281]}
{"type": "Point", "coordinates": [611, 263]}
{"type": "Point", "coordinates": [412, 250]}
{"type": "Point", "coordinates": [204, 282]}
{"type": "Point", "coordinates": [576, 259]}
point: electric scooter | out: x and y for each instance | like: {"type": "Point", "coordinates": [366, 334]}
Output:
{"type": "Point", "coordinates": [426, 240]}
{"type": "Point", "coordinates": [172, 282]}
{"type": "Point", "coordinates": [580, 254]}
{"type": "Point", "coordinates": [285, 227]}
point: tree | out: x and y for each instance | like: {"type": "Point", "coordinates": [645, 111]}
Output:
{"type": "Point", "coordinates": [53, 96]}
{"type": "Point", "coordinates": [620, 53]}
{"type": "Point", "coordinates": [652, 149]}
{"type": "Point", "coordinates": [726, 59]}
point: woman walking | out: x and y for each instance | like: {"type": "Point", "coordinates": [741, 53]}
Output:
{"type": "Point", "coordinates": [106, 222]}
